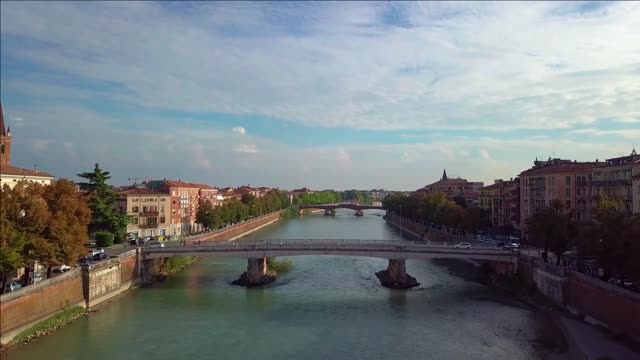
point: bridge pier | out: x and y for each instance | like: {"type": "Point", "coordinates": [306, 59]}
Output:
{"type": "Point", "coordinates": [256, 274]}
{"type": "Point", "coordinates": [331, 212]}
{"type": "Point", "coordinates": [395, 276]}
{"type": "Point", "coordinates": [359, 213]}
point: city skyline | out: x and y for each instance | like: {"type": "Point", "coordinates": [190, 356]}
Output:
{"type": "Point", "coordinates": [324, 95]}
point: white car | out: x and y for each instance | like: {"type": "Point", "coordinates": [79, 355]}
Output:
{"type": "Point", "coordinates": [463, 245]}
{"type": "Point", "coordinates": [60, 268]}
{"type": "Point", "coordinates": [156, 245]}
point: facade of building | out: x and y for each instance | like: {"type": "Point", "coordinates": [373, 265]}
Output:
{"type": "Point", "coordinates": [148, 211]}
{"type": "Point", "coordinates": [185, 198]}
{"type": "Point", "coordinates": [566, 180]}
{"type": "Point", "coordinates": [614, 179]}
{"type": "Point", "coordinates": [635, 184]}
{"type": "Point", "coordinates": [451, 188]}
{"type": "Point", "coordinates": [209, 194]}
{"type": "Point", "coordinates": [502, 201]}
{"type": "Point", "coordinates": [9, 174]}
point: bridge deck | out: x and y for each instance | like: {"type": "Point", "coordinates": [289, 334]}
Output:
{"type": "Point", "coordinates": [367, 248]}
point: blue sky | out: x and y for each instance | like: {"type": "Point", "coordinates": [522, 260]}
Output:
{"type": "Point", "coordinates": [326, 95]}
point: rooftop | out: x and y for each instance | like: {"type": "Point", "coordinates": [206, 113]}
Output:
{"type": "Point", "coordinates": [14, 170]}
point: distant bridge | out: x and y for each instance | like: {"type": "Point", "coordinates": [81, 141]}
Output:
{"type": "Point", "coordinates": [329, 209]}
{"type": "Point", "coordinates": [396, 251]}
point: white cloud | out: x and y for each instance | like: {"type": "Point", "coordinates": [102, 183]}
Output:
{"type": "Point", "coordinates": [246, 148]}
{"type": "Point", "coordinates": [200, 157]}
{"type": "Point", "coordinates": [18, 119]}
{"type": "Point", "coordinates": [485, 154]}
{"type": "Point", "coordinates": [459, 65]}
{"type": "Point", "coordinates": [239, 130]}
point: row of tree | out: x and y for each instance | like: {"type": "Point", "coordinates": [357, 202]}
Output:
{"type": "Point", "coordinates": [612, 238]}
{"type": "Point", "coordinates": [234, 210]}
{"type": "Point", "coordinates": [332, 197]}
{"type": "Point", "coordinates": [434, 208]}
{"type": "Point", "coordinates": [44, 223]}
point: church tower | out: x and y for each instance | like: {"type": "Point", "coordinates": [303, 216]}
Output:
{"type": "Point", "coordinates": [5, 142]}
{"type": "Point", "coordinates": [444, 175]}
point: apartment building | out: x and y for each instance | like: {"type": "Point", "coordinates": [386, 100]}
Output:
{"type": "Point", "coordinates": [148, 211]}
{"type": "Point", "coordinates": [502, 201]}
{"type": "Point", "coordinates": [614, 178]}
{"type": "Point", "coordinates": [566, 180]}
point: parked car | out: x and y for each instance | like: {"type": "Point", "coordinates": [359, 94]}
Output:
{"type": "Point", "coordinates": [463, 245]}
{"type": "Point", "coordinates": [60, 268]}
{"type": "Point", "coordinates": [156, 244]}
{"type": "Point", "coordinates": [86, 261]}
{"type": "Point", "coordinates": [100, 256]}
{"type": "Point", "coordinates": [94, 252]}
{"type": "Point", "coordinates": [13, 286]}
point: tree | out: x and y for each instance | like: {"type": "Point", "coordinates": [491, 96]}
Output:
{"type": "Point", "coordinates": [66, 229]}
{"type": "Point", "coordinates": [104, 238]}
{"type": "Point", "coordinates": [474, 219]}
{"type": "Point", "coordinates": [204, 215]}
{"type": "Point", "coordinates": [460, 200]}
{"type": "Point", "coordinates": [552, 228]}
{"type": "Point", "coordinates": [12, 241]}
{"type": "Point", "coordinates": [105, 214]}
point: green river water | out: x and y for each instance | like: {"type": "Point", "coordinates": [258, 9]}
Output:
{"type": "Point", "coordinates": [327, 307]}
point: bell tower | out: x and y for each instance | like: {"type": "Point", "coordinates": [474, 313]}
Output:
{"type": "Point", "coordinates": [5, 141]}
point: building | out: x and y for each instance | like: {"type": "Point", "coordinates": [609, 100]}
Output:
{"type": "Point", "coordinates": [635, 184]}
{"type": "Point", "coordinates": [185, 198]}
{"type": "Point", "coordinates": [10, 174]}
{"type": "Point", "coordinates": [566, 180]}
{"type": "Point", "coordinates": [209, 194]}
{"type": "Point", "coordinates": [614, 179]}
{"type": "Point", "coordinates": [502, 201]}
{"type": "Point", "coordinates": [148, 211]}
{"type": "Point", "coordinates": [453, 187]}
{"type": "Point", "coordinates": [297, 192]}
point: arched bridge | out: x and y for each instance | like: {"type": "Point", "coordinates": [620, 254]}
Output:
{"type": "Point", "coordinates": [329, 209]}
{"type": "Point", "coordinates": [396, 251]}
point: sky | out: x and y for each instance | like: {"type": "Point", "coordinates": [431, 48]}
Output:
{"type": "Point", "coordinates": [325, 95]}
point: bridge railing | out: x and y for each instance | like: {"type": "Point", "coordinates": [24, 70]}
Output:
{"type": "Point", "coordinates": [329, 243]}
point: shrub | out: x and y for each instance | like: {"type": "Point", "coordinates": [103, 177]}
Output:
{"type": "Point", "coordinates": [104, 239]}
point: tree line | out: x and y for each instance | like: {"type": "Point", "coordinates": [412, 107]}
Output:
{"type": "Point", "coordinates": [435, 208]}
{"type": "Point", "coordinates": [612, 238]}
{"type": "Point", "coordinates": [50, 224]}
{"type": "Point", "coordinates": [332, 197]}
{"type": "Point", "coordinates": [233, 210]}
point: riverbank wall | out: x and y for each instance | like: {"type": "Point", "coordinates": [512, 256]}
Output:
{"type": "Point", "coordinates": [591, 299]}
{"type": "Point", "coordinates": [94, 284]}
{"type": "Point", "coordinates": [420, 231]}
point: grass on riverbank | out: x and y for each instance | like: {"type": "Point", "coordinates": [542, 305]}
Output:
{"type": "Point", "coordinates": [279, 266]}
{"type": "Point", "coordinates": [47, 326]}
{"type": "Point", "coordinates": [174, 264]}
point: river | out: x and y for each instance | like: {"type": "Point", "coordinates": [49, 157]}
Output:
{"type": "Point", "coordinates": [327, 307]}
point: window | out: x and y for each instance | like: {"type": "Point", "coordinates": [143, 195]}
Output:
{"type": "Point", "coordinates": [135, 209]}
{"type": "Point", "coordinates": [2, 149]}
{"type": "Point", "coordinates": [134, 221]}
{"type": "Point", "coordinates": [162, 209]}
{"type": "Point", "coordinates": [162, 219]}
{"type": "Point", "coordinates": [568, 203]}
{"type": "Point", "coordinates": [568, 179]}
{"type": "Point", "coordinates": [135, 200]}
{"type": "Point", "coordinates": [568, 192]}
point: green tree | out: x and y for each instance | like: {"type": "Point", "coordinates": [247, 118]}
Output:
{"type": "Point", "coordinates": [460, 200]}
{"type": "Point", "coordinates": [12, 241]}
{"type": "Point", "coordinates": [552, 228]}
{"type": "Point", "coordinates": [101, 197]}
{"type": "Point", "coordinates": [204, 215]}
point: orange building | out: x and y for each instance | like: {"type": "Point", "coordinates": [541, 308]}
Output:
{"type": "Point", "coordinates": [452, 187]}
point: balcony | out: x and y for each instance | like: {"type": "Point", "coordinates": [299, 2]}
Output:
{"type": "Point", "coordinates": [149, 213]}
{"type": "Point", "coordinates": [147, 226]}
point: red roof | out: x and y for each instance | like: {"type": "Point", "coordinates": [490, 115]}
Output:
{"type": "Point", "coordinates": [14, 170]}
{"type": "Point", "coordinates": [562, 168]}
{"type": "Point", "coordinates": [180, 184]}
{"type": "Point", "coordinates": [141, 191]}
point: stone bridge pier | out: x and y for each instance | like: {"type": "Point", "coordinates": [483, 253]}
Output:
{"type": "Point", "coordinates": [330, 212]}
{"type": "Point", "coordinates": [256, 274]}
{"type": "Point", "coordinates": [359, 213]}
{"type": "Point", "coordinates": [395, 276]}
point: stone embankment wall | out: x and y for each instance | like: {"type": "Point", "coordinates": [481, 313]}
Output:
{"type": "Point", "coordinates": [604, 303]}
{"type": "Point", "coordinates": [422, 231]}
{"type": "Point", "coordinates": [33, 303]}
{"type": "Point", "coordinates": [238, 229]}
{"type": "Point", "coordinates": [85, 286]}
